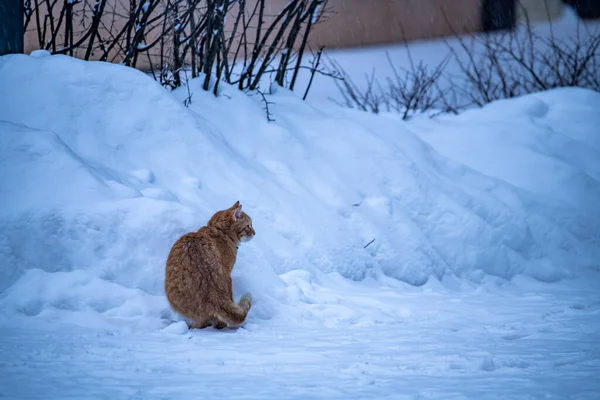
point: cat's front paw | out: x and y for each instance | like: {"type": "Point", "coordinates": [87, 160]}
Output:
{"type": "Point", "coordinates": [246, 301]}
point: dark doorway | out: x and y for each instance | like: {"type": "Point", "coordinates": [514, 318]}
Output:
{"type": "Point", "coordinates": [498, 14]}
{"type": "Point", "coordinates": [11, 26]}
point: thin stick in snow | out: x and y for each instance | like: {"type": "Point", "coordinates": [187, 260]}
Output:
{"type": "Point", "coordinates": [368, 244]}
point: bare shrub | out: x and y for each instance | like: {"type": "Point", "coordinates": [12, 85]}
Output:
{"type": "Point", "coordinates": [507, 64]}
{"type": "Point", "coordinates": [491, 66]}
{"type": "Point", "coordinates": [368, 99]}
{"type": "Point", "coordinates": [408, 91]}
{"type": "Point", "coordinates": [182, 34]}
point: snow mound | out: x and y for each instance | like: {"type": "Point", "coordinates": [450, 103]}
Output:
{"type": "Point", "coordinates": [103, 169]}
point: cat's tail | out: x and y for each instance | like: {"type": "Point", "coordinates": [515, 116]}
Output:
{"type": "Point", "coordinates": [235, 314]}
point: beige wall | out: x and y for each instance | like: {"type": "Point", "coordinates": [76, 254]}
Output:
{"type": "Point", "coordinates": [364, 22]}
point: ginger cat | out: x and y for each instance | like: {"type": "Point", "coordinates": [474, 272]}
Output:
{"type": "Point", "coordinates": [198, 271]}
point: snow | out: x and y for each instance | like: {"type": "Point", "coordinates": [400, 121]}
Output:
{"type": "Point", "coordinates": [438, 345]}
{"type": "Point", "coordinates": [482, 280]}
{"type": "Point", "coordinates": [314, 18]}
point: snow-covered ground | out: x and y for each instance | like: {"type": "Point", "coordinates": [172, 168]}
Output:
{"type": "Point", "coordinates": [481, 282]}
{"type": "Point", "coordinates": [530, 341]}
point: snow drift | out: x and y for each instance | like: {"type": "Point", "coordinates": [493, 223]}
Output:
{"type": "Point", "coordinates": [102, 169]}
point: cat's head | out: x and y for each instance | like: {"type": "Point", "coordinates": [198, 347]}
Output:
{"type": "Point", "coordinates": [235, 222]}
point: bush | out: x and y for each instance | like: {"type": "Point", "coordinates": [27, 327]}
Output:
{"type": "Point", "coordinates": [497, 65]}
{"type": "Point", "coordinates": [184, 35]}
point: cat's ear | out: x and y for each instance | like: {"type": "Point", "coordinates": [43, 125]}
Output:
{"type": "Point", "coordinates": [237, 212]}
{"type": "Point", "coordinates": [236, 205]}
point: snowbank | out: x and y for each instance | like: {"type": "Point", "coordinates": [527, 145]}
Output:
{"type": "Point", "coordinates": [102, 170]}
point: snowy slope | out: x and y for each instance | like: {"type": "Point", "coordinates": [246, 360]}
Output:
{"type": "Point", "coordinates": [102, 170]}
{"type": "Point", "coordinates": [122, 168]}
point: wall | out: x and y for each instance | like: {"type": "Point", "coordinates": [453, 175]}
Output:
{"type": "Point", "coordinates": [371, 22]}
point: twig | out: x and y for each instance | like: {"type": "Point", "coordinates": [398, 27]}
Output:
{"type": "Point", "coordinates": [264, 99]}
{"type": "Point", "coordinates": [368, 244]}
{"type": "Point", "coordinates": [315, 66]}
